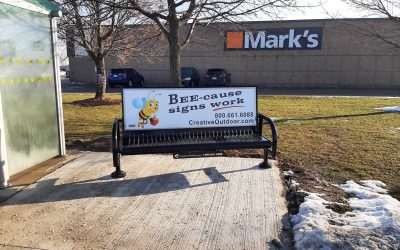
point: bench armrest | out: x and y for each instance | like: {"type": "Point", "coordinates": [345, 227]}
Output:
{"type": "Point", "coordinates": [274, 132]}
{"type": "Point", "coordinates": [116, 141]}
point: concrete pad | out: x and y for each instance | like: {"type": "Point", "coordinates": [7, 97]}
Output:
{"type": "Point", "coordinates": [202, 203]}
{"type": "Point", "coordinates": [29, 176]}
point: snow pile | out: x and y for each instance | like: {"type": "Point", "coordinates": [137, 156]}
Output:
{"type": "Point", "coordinates": [374, 222]}
{"type": "Point", "coordinates": [390, 109]}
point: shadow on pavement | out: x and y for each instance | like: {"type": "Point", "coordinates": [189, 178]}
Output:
{"type": "Point", "coordinates": [49, 191]}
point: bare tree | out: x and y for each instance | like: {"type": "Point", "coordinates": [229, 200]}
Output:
{"type": "Point", "coordinates": [176, 19]}
{"type": "Point", "coordinates": [101, 30]}
{"type": "Point", "coordinates": [380, 8]}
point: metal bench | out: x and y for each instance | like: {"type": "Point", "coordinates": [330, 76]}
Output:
{"type": "Point", "coordinates": [183, 142]}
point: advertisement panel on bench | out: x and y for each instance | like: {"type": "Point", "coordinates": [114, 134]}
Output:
{"type": "Point", "coordinates": [172, 108]}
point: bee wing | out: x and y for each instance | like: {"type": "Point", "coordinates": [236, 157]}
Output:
{"type": "Point", "coordinates": [138, 103]}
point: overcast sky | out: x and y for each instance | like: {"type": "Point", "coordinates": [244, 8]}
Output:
{"type": "Point", "coordinates": [330, 8]}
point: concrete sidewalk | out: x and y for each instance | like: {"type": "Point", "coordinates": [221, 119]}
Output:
{"type": "Point", "coordinates": [68, 87]}
{"type": "Point", "coordinates": [203, 203]}
{"type": "Point", "coordinates": [330, 92]}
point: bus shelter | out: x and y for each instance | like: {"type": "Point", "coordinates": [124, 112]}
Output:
{"type": "Point", "coordinates": [31, 118]}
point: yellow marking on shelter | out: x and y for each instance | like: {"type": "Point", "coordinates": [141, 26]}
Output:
{"type": "Point", "coordinates": [38, 79]}
{"type": "Point", "coordinates": [10, 60]}
{"type": "Point", "coordinates": [1, 59]}
{"type": "Point", "coordinates": [3, 81]}
{"type": "Point", "coordinates": [26, 80]}
{"type": "Point", "coordinates": [12, 81]}
{"type": "Point", "coordinates": [17, 60]}
{"type": "Point", "coordinates": [23, 60]}
{"type": "Point", "coordinates": [19, 80]}
{"type": "Point", "coordinates": [32, 80]}
{"type": "Point", "coordinates": [44, 79]}
{"type": "Point", "coordinates": [50, 78]}
{"type": "Point", "coordinates": [48, 61]}
{"type": "Point", "coordinates": [31, 61]}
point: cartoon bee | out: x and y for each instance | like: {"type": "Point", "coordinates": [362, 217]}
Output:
{"type": "Point", "coordinates": [148, 107]}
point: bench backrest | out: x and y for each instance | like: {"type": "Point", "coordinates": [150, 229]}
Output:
{"type": "Point", "coordinates": [188, 108]}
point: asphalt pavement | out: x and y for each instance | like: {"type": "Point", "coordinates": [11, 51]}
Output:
{"type": "Point", "coordinates": [73, 87]}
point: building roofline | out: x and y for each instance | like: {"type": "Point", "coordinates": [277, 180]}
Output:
{"type": "Point", "coordinates": [284, 21]}
{"type": "Point", "coordinates": [40, 6]}
{"type": "Point", "coordinates": [308, 20]}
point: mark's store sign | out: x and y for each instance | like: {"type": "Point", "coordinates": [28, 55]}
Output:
{"type": "Point", "coordinates": [275, 39]}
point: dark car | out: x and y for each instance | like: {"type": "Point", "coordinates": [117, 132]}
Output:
{"type": "Point", "coordinates": [190, 77]}
{"type": "Point", "coordinates": [127, 77]}
{"type": "Point", "coordinates": [217, 77]}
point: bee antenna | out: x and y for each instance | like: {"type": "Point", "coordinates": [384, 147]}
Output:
{"type": "Point", "coordinates": [156, 95]}
{"type": "Point", "coordinates": [148, 96]}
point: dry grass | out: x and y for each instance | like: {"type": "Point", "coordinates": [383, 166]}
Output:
{"type": "Point", "coordinates": [340, 138]}
{"type": "Point", "coordinates": [88, 123]}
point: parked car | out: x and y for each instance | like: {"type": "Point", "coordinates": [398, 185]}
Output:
{"type": "Point", "coordinates": [217, 77]}
{"type": "Point", "coordinates": [127, 77]}
{"type": "Point", "coordinates": [190, 77]}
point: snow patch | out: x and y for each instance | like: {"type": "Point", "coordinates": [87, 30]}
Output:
{"type": "Point", "coordinates": [292, 183]}
{"type": "Point", "coordinates": [292, 121]}
{"type": "Point", "coordinates": [374, 222]}
{"type": "Point", "coordinates": [390, 109]}
{"type": "Point", "coordinates": [394, 130]}
{"type": "Point", "coordinates": [370, 185]}
{"type": "Point", "coordinates": [288, 173]}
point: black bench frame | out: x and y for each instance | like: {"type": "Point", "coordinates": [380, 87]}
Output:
{"type": "Point", "coordinates": [180, 140]}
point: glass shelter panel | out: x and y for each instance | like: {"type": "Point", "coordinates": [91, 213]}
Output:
{"type": "Point", "coordinates": [27, 88]}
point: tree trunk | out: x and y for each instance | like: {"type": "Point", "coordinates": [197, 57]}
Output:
{"type": "Point", "coordinates": [101, 79]}
{"type": "Point", "coordinates": [174, 54]}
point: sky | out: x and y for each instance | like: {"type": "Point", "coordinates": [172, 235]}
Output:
{"type": "Point", "coordinates": [330, 8]}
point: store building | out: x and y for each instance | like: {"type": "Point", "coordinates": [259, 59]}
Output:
{"type": "Point", "coordinates": [31, 119]}
{"type": "Point", "coordinates": [302, 53]}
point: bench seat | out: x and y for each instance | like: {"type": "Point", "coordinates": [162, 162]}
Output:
{"type": "Point", "coordinates": [253, 141]}
{"type": "Point", "coordinates": [194, 139]}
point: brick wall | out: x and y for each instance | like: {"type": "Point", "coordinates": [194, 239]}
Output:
{"type": "Point", "coordinates": [347, 58]}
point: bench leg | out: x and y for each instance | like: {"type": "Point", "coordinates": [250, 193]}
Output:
{"type": "Point", "coordinates": [118, 173]}
{"type": "Point", "coordinates": [266, 163]}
